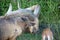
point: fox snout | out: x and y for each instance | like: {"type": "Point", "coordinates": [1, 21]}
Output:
{"type": "Point", "coordinates": [33, 29]}
{"type": "Point", "coordinates": [32, 13]}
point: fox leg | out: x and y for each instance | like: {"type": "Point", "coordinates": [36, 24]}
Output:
{"type": "Point", "coordinates": [43, 38]}
{"type": "Point", "coordinates": [12, 38]}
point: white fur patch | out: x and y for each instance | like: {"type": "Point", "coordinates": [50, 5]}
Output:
{"type": "Point", "coordinates": [49, 37]}
{"type": "Point", "coordinates": [31, 29]}
{"type": "Point", "coordinates": [44, 37]}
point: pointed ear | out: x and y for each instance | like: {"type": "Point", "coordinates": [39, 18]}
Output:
{"type": "Point", "coordinates": [35, 9]}
{"type": "Point", "coordinates": [9, 9]}
{"type": "Point", "coordinates": [18, 6]}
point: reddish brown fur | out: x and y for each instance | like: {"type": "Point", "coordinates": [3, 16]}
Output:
{"type": "Point", "coordinates": [47, 32]}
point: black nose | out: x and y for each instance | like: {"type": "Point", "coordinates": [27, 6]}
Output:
{"type": "Point", "coordinates": [35, 31]}
{"type": "Point", "coordinates": [33, 24]}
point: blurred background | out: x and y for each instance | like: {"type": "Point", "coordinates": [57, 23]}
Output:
{"type": "Point", "coordinates": [49, 15]}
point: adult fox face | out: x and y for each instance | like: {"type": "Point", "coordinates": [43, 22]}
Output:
{"type": "Point", "coordinates": [31, 13]}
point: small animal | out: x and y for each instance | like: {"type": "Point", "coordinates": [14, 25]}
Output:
{"type": "Point", "coordinates": [47, 34]}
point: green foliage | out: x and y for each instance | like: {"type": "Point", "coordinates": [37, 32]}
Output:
{"type": "Point", "coordinates": [49, 13]}
{"type": "Point", "coordinates": [29, 37]}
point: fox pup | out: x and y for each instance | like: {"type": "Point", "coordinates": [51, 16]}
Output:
{"type": "Point", "coordinates": [47, 34]}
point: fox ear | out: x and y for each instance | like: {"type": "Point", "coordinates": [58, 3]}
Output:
{"type": "Point", "coordinates": [35, 9]}
{"type": "Point", "coordinates": [9, 9]}
{"type": "Point", "coordinates": [18, 6]}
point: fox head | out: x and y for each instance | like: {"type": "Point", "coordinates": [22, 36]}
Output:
{"type": "Point", "coordinates": [31, 13]}
{"type": "Point", "coordinates": [47, 34]}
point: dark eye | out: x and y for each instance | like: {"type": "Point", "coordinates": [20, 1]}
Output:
{"type": "Point", "coordinates": [32, 24]}
{"type": "Point", "coordinates": [24, 19]}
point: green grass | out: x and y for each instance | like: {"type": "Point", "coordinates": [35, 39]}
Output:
{"type": "Point", "coordinates": [29, 37]}
{"type": "Point", "coordinates": [49, 14]}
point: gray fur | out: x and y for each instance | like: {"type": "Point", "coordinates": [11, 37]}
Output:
{"type": "Point", "coordinates": [11, 27]}
{"type": "Point", "coordinates": [15, 22]}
